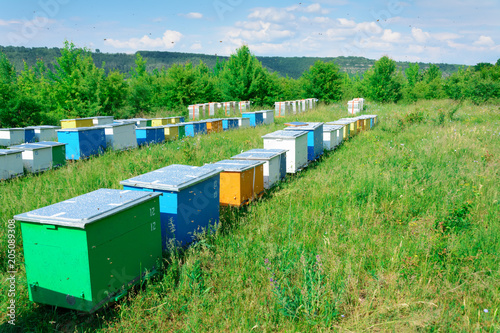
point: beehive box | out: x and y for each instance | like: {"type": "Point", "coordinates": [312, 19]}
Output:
{"type": "Point", "coordinates": [213, 125]}
{"type": "Point", "coordinates": [353, 107]}
{"type": "Point", "coordinates": [11, 163]}
{"type": "Point", "coordinates": [314, 139]}
{"type": "Point", "coordinates": [195, 128]}
{"type": "Point", "coordinates": [176, 120]}
{"type": "Point", "coordinates": [87, 251]}
{"type": "Point", "coordinates": [189, 201]}
{"type": "Point", "coordinates": [280, 109]}
{"type": "Point", "coordinates": [346, 127]}
{"type": "Point", "coordinates": [303, 105]}
{"type": "Point", "coordinates": [120, 136]}
{"type": "Point", "coordinates": [228, 108]}
{"type": "Point", "coordinates": [142, 122]}
{"type": "Point", "coordinates": [36, 158]}
{"type": "Point", "coordinates": [155, 122]}
{"type": "Point", "coordinates": [149, 135]}
{"type": "Point", "coordinates": [332, 136]}
{"type": "Point", "coordinates": [267, 116]}
{"type": "Point", "coordinates": [373, 120]}
{"type": "Point", "coordinates": [77, 123]}
{"type": "Point", "coordinates": [58, 152]}
{"type": "Point", "coordinates": [256, 119]}
{"type": "Point", "coordinates": [194, 111]}
{"type": "Point", "coordinates": [243, 122]}
{"type": "Point", "coordinates": [353, 125]}
{"type": "Point", "coordinates": [82, 142]}
{"type": "Point", "coordinates": [294, 142]}
{"type": "Point", "coordinates": [29, 135]}
{"type": "Point", "coordinates": [11, 136]}
{"type": "Point", "coordinates": [229, 123]}
{"type": "Point", "coordinates": [240, 181]}
{"type": "Point", "coordinates": [171, 132]}
{"type": "Point", "coordinates": [45, 132]}
{"type": "Point", "coordinates": [102, 120]}
{"type": "Point", "coordinates": [274, 167]}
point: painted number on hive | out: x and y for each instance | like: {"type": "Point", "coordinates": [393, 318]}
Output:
{"type": "Point", "coordinates": [152, 211]}
{"type": "Point", "coordinates": [153, 226]}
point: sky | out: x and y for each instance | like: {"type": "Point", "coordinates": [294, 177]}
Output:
{"type": "Point", "coordinates": [437, 31]}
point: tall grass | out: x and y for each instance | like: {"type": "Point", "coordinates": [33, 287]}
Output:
{"type": "Point", "coordinates": [395, 230]}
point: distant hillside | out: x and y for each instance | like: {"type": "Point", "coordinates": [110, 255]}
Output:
{"type": "Point", "coordinates": [291, 66]}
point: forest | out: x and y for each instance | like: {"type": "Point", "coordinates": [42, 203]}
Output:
{"type": "Point", "coordinates": [74, 85]}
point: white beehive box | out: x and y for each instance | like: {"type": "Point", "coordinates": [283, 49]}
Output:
{"type": "Point", "coordinates": [45, 132]}
{"type": "Point", "coordinates": [332, 136]}
{"type": "Point", "coordinates": [102, 120]}
{"type": "Point", "coordinates": [267, 115]}
{"type": "Point", "coordinates": [11, 136]}
{"type": "Point", "coordinates": [36, 158]}
{"type": "Point", "coordinates": [11, 163]}
{"type": "Point", "coordinates": [243, 122]}
{"type": "Point", "coordinates": [274, 166]}
{"type": "Point", "coordinates": [120, 136]}
{"type": "Point", "coordinates": [353, 107]}
{"type": "Point", "coordinates": [280, 109]}
{"type": "Point", "coordinates": [294, 142]}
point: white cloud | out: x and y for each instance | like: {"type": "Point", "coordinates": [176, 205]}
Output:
{"type": "Point", "coordinates": [7, 23]}
{"type": "Point", "coordinates": [444, 36]}
{"type": "Point", "coordinates": [484, 41]}
{"type": "Point", "coordinates": [346, 23]}
{"type": "Point", "coordinates": [193, 15]}
{"type": "Point", "coordinates": [390, 36]}
{"type": "Point", "coordinates": [313, 8]}
{"type": "Point", "coordinates": [168, 41]}
{"type": "Point", "coordinates": [420, 35]}
{"type": "Point", "coordinates": [271, 14]}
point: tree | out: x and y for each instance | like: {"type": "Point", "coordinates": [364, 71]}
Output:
{"type": "Point", "coordinates": [323, 81]}
{"type": "Point", "coordinates": [140, 86]}
{"type": "Point", "coordinates": [244, 78]}
{"type": "Point", "coordinates": [384, 83]}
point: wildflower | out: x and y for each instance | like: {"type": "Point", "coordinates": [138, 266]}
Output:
{"type": "Point", "coordinates": [266, 261]}
{"type": "Point", "coordinates": [486, 310]}
{"type": "Point", "coordinates": [272, 280]}
{"type": "Point", "coordinates": [342, 316]}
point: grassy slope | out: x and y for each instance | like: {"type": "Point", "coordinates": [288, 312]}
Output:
{"type": "Point", "coordinates": [396, 230]}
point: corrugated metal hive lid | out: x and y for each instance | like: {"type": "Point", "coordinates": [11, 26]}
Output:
{"type": "Point", "coordinates": [260, 154]}
{"type": "Point", "coordinates": [10, 151]}
{"type": "Point", "coordinates": [233, 165]}
{"type": "Point", "coordinates": [87, 208]}
{"type": "Point", "coordinates": [174, 178]}
{"type": "Point", "coordinates": [50, 143]}
{"type": "Point", "coordinates": [307, 127]}
{"type": "Point", "coordinates": [285, 134]}
{"type": "Point", "coordinates": [329, 128]}
{"type": "Point", "coordinates": [30, 146]}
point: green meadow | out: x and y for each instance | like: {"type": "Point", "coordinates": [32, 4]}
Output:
{"type": "Point", "coordinates": [396, 230]}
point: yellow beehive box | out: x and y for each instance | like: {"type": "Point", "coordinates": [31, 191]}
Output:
{"type": "Point", "coordinates": [214, 125]}
{"type": "Point", "coordinates": [171, 132]}
{"type": "Point", "coordinates": [76, 123]}
{"type": "Point", "coordinates": [241, 181]}
{"type": "Point", "coordinates": [353, 127]}
{"type": "Point", "coordinates": [346, 127]}
{"type": "Point", "coordinates": [159, 122]}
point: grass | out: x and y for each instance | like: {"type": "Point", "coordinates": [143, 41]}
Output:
{"type": "Point", "coordinates": [395, 230]}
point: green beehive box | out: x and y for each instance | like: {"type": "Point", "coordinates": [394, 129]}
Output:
{"type": "Point", "coordinates": [87, 251]}
{"type": "Point", "coordinates": [58, 152]}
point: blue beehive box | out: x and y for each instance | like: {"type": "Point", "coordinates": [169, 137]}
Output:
{"type": "Point", "coordinates": [29, 135]}
{"type": "Point", "coordinates": [149, 135]}
{"type": "Point", "coordinates": [82, 142]}
{"type": "Point", "coordinates": [314, 138]}
{"type": "Point", "coordinates": [190, 200]}
{"type": "Point", "coordinates": [195, 127]}
{"type": "Point", "coordinates": [256, 119]}
{"type": "Point", "coordinates": [229, 123]}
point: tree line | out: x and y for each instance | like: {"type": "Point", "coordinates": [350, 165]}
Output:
{"type": "Point", "coordinates": [73, 86]}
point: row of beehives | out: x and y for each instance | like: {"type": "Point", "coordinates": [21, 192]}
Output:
{"type": "Point", "coordinates": [203, 110]}
{"type": "Point", "coordinates": [285, 108]}
{"type": "Point", "coordinates": [85, 137]}
{"type": "Point", "coordinates": [355, 106]}
{"type": "Point", "coordinates": [87, 251]}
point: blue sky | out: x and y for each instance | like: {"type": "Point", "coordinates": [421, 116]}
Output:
{"type": "Point", "coordinates": [449, 31]}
